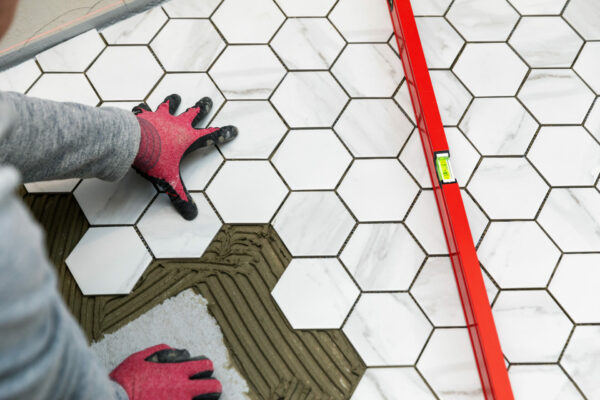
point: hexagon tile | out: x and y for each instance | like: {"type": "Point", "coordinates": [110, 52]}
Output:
{"type": "Point", "coordinates": [329, 155]}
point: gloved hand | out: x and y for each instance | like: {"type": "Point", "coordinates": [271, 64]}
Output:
{"type": "Point", "coordinates": [166, 138]}
{"type": "Point", "coordinates": [161, 372]}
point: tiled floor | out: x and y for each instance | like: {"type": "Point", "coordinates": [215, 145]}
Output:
{"type": "Point", "coordinates": [328, 154]}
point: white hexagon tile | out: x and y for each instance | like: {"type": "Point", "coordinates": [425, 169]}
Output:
{"type": "Point", "coordinates": [329, 155]}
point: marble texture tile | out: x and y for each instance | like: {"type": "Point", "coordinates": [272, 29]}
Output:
{"type": "Point", "coordinates": [170, 236]}
{"type": "Point", "coordinates": [190, 8]}
{"type": "Point", "coordinates": [592, 122]}
{"type": "Point", "coordinates": [377, 329]}
{"type": "Point", "coordinates": [260, 126]}
{"type": "Point", "coordinates": [191, 87]}
{"type": "Point", "coordinates": [587, 65]}
{"type": "Point", "coordinates": [203, 44]}
{"type": "Point", "coordinates": [435, 291]}
{"type": "Point", "coordinates": [441, 43]}
{"type": "Point", "coordinates": [198, 167]}
{"type": "Point", "coordinates": [306, 8]}
{"type": "Point", "coordinates": [387, 383]}
{"type": "Point", "coordinates": [538, 7]}
{"type": "Point", "coordinates": [368, 190]}
{"type": "Point", "coordinates": [478, 221]}
{"type": "Point", "coordinates": [541, 381]}
{"type": "Point", "coordinates": [490, 69]}
{"type": "Point", "coordinates": [139, 29]}
{"type": "Point", "coordinates": [311, 159]}
{"type": "Point", "coordinates": [377, 61]}
{"type": "Point", "coordinates": [246, 192]}
{"type": "Point", "coordinates": [581, 359]}
{"type": "Point", "coordinates": [315, 293]}
{"type": "Point", "coordinates": [242, 21]}
{"type": "Point", "coordinates": [556, 96]}
{"type": "Point", "coordinates": [464, 157]}
{"type": "Point", "coordinates": [572, 218]}
{"type": "Point", "coordinates": [518, 254]}
{"type": "Point", "coordinates": [508, 188]}
{"type": "Point", "coordinates": [402, 97]}
{"type": "Point", "coordinates": [574, 286]}
{"type": "Point", "coordinates": [71, 87]}
{"type": "Point", "coordinates": [19, 78]}
{"type": "Point", "coordinates": [413, 159]}
{"type": "Point", "coordinates": [451, 96]}
{"type": "Point", "coordinates": [74, 55]}
{"type": "Point", "coordinates": [309, 99]}
{"type": "Point", "coordinates": [546, 42]}
{"type": "Point", "coordinates": [566, 156]}
{"type": "Point", "coordinates": [531, 326]}
{"type": "Point", "coordinates": [114, 203]}
{"type": "Point", "coordinates": [499, 126]}
{"type": "Point", "coordinates": [424, 222]}
{"type": "Point", "coordinates": [447, 363]}
{"type": "Point", "coordinates": [247, 72]}
{"type": "Point", "coordinates": [313, 224]}
{"type": "Point", "coordinates": [492, 20]}
{"type": "Point", "coordinates": [382, 257]}
{"type": "Point", "coordinates": [307, 43]}
{"type": "Point", "coordinates": [382, 134]}
{"type": "Point", "coordinates": [57, 186]}
{"type": "Point", "coordinates": [362, 20]}
{"type": "Point", "coordinates": [430, 7]}
{"type": "Point", "coordinates": [582, 15]}
{"type": "Point", "coordinates": [124, 73]}
{"type": "Point", "coordinates": [108, 260]}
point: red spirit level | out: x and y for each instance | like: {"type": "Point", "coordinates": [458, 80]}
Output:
{"type": "Point", "coordinates": [475, 303]}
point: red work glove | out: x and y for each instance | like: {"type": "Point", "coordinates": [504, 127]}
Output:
{"type": "Point", "coordinates": [166, 138]}
{"type": "Point", "coordinates": [161, 372]}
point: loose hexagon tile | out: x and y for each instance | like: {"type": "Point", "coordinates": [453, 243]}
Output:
{"type": "Point", "coordinates": [424, 222]}
{"type": "Point", "coordinates": [566, 155]}
{"type": "Point", "coordinates": [387, 329]}
{"type": "Point", "coordinates": [435, 291]}
{"type": "Point", "coordinates": [588, 63]}
{"type": "Point", "coordinates": [580, 359]}
{"type": "Point", "coordinates": [56, 186]}
{"type": "Point", "coordinates": [582, 15]}
{"type": "Point", "coordinates": [531, 326]}
{"type": "Point", "coordinates": [362, 20]}
{"type": "Point", "coordinates": [124, 72]}
{"type": "Point", "coordinates": [538, 7]}
{"type": "Point", "coordinates": [452, 97]}
{"type": "Point", "coordinates": [508, 188]}
{"type": "Point", "coordinates": [441, 43]}
{"type": "Point", "coordinates": [382, 257]}
{"type": "Point", "coordinates": [114, 203]}
{"type": "Point", "coordinates": [572, 218]}
{"type": "Point", "coordinates": [490, 69]}
{"type": "Point", "coordinates": [64, 87]}
{"type": "Point", "coordinates": [556, 96]}
{"type": "Point", "coordinates": [307, 43]}
{"type": "Point", "coordinates": [574, 286]}
{"type": "Point", "coordinates": [108, 260]}
{"type": "Point", "coordinates": [541, 381]}
{"type": "Point", "coordinates": [447, 363]}
{"type": "Point", "coordinates": [243, 21]}
{"type": "Point", "coordinates": [309, 99]}
{"type": "Point", "coordinates": [20, 77]}
{"type": "Point", "coordinates": [380, 135]}
{"type": "Point", "coordinates": [374, 60]}
{"type": "Point", "coordinates": [199, 166]}
{"type": "Point", "coordinates": [169, 235]}
{"type": "Point", "coordinates": [387, 383]}
{"type": "Point", "coordinates": [74, 55]}
{"type": "Point", "coordinates": [311, 159]}
{"type": "Point", "coordinates": [546, 42]}
{"type": "Point", "coordinates": [191, 88]}
{"type": "Point", "coordinates": [313, 223]}
{"type": "Point", "coordinates": [315, 293]}
{"type": "Point", "coordinates": [430, 7]}
{"type": "Point", "coordinates": [190, 8]}
{"type": "Point", "coordinates": [247, 72]}
{"type": "Point", "coordinates": [306, 8]}
{"type": "Point", "coordinates": [518, 254]}
{"type": "Point", "coordinates": [592, 122]}
{"type": "Point", "coordinates": [378, 190]}
{"type": "Point", "coordinates": [203, 45]}
{"type": "Point", "coordinates": [260, 125]}
{"type": "Point", "coordinates": [477, 21]}
{"type": "Point", "coordinates": [246, 192]}
{"type": "Point", "coordinates": [499, 126]}
{"type": "Point", "coordinates": [139, 29]}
